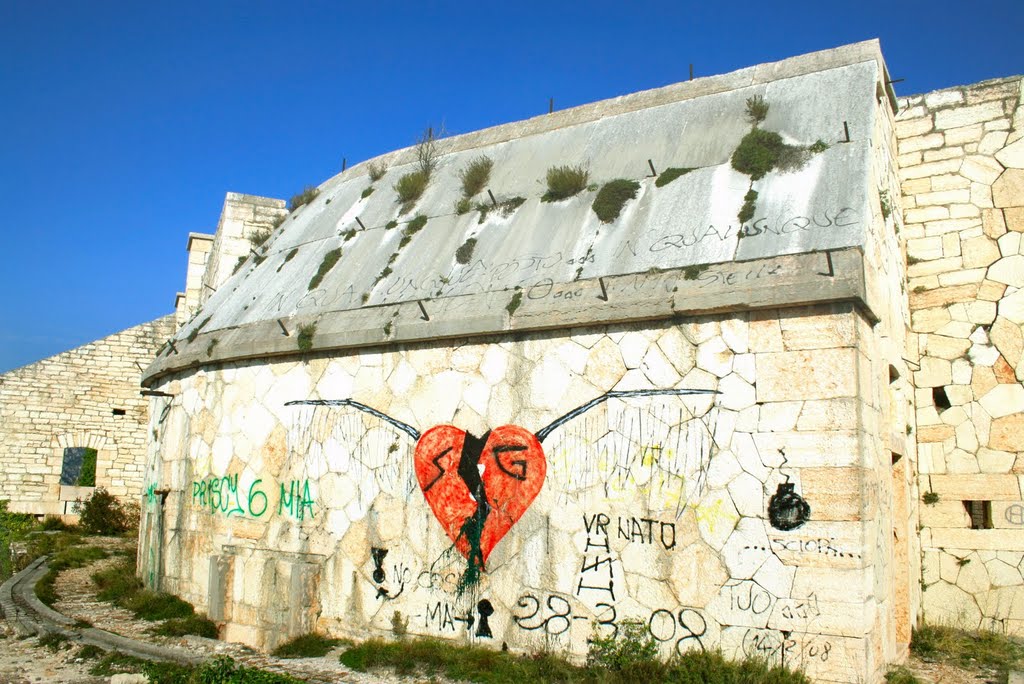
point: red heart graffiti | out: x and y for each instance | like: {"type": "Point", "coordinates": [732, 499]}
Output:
{"type": "Point", "coordinates": [505, 468]}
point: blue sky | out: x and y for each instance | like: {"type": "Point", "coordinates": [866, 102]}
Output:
{"type": "Point", "coordinates": [124, 124]}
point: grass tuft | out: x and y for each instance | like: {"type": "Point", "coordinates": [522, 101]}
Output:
{"type": "Point", "coordinates": [612, 196]}
{"type": "Point", "coordinates": [328, 262]}
{"type": "Point", "coordinates": [565, 182]}
{"type": "Point", "coordinates": [475, 176]}
{"type": "Point", "coordinates": [366, 193]}
{"type": "Point", "coordinates": [670, 174]}
{"type": "Point", "coordinates": [258, 237]}
{"type": "Point", "coordinates": [311, 645]}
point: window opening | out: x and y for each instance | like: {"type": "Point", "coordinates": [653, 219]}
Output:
{"type": "Point", "coordinates": [79, 467]}
{"type": "Point", "coordinates": [981, 514]}
{"type": "Point", "coordinates": [940, 399]}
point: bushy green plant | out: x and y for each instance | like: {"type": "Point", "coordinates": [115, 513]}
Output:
{"type": "Point", "coordinates": [307, 195]}
{"type": "Point", "coordinates": [631, 644]}
{"type": "Point", "coordinates": [465, 252]}
{"type": "Point", "coordinates": [612, 196]}
{"type": "Point", "coordinates": [411, 228]}
{"type": "Point", "coordinates": [14, 527]}
{"type": "Point", "coordinates": [463, 206]}
{"type": "Point", "coordinates": [305, 337]}
{"type": "Point", "coordinates": [366, 193]}
{"type": "Point", "coordinates": [157, 605]}
{"type": "Point", "coordinates": [818, 146]}
{"type": "Point", "coordinates": [747, 210]}
{"type": "Point", "coordinates": [758, 153]}
{"type": "Point", "coordinates": [565, 182]}
{"type": "Point", "coordinates": [192, 624]}
{"type": "Point", "coordinates": [410, 188]}
{"type": "Point", "coordinates": [103, 513]}
{"type": "Point", "coordinates": [310, 645]}
{"type": "Point", "coordinates": [326, 264]}
{"type": "Point", "coordinates": [475, 176]}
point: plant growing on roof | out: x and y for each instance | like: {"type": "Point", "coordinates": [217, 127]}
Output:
{"type": "Point", "coordinates": [258, 237]}
{"type": "Point", "coordinates": [670, 174]}
{"type": "Point", "coordinates": [475, 176]}
{"type": "Point", "coordinates": [305, 336]}
{"type": "Point", "coordinates": [328, 262]}
{"type": "Point", "coordinates": [565, 182]}
{"type": "Point", "coordinates": [612, 196]}
{"type": "Point", "coordinates": [376, 170]}
{"type": "Point", "coordinates": [505, 207]}
{"type": "Point", "coordinates": [410, 188]}
{"type": "Point", "coordinates": [307, 195]}
{"type": "Point", "coordinates": [464, 254]}
{"type": "Point", "coordinates": [757, 110]}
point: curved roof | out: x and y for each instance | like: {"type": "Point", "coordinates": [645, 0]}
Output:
{"type": "Point", "coordinates": [549, 264]}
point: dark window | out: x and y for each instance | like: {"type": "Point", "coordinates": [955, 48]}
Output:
{"type": "Point", "coordinates": [981, 514]}
{"type": "Point", "coordinates": [118, 412]}
{"type": "Point", "coordinates": [940, 399]}
{"type": "Point", "coordinates": [79, 467]}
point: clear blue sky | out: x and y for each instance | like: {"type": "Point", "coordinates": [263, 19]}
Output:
{"type": "Point", "coordinates": [123, 124]}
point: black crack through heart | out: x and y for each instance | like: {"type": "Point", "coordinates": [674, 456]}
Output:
{"type": "Point", "coordinates": [473, 527]}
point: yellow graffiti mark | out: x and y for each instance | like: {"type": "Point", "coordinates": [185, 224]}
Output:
{"type": "Point", "coordinates": [712, 514]}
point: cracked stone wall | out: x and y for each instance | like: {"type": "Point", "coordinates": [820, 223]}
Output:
{"type": "Point", "coordinates": [962, 172]}
{"type": "Point", "coordinates": [740, 506]}
{"type": "Point", "coordinates": [68, 400]}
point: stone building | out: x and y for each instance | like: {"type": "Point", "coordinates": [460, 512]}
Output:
{"type": "Point", "coordinates": [716, 387]}
{"type": "Point", "coordinates": [76, 421]}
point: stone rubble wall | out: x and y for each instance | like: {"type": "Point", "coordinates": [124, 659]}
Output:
{"type": "Point", "coordinates": [962, 172]}
{"type": "Point", "coordinates": [68, 400]}
{"type": "Point", "coordinates": [669, 510]}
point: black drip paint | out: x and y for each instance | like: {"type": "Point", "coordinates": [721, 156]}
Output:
{"type": "Point", "coordinates": [473, 528]}
{"type": "Point", "coordinates": [787, 510]}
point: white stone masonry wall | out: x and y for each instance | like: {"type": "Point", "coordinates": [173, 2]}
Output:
{"type": "Point", "coordinates": [736, 520]}
{"type": "Point", "coordinates": [962, 172]}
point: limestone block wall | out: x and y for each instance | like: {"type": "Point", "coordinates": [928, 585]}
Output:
{"type": "Point", "coordinates": [69, 400]}
{"type": "Point", "coordinates": [741, 503]}
{"type": "Point", "coordinates": [962, 171]}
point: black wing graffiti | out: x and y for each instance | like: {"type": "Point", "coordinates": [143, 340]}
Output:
{"type": "Point", "coordinates": [657, 442]}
